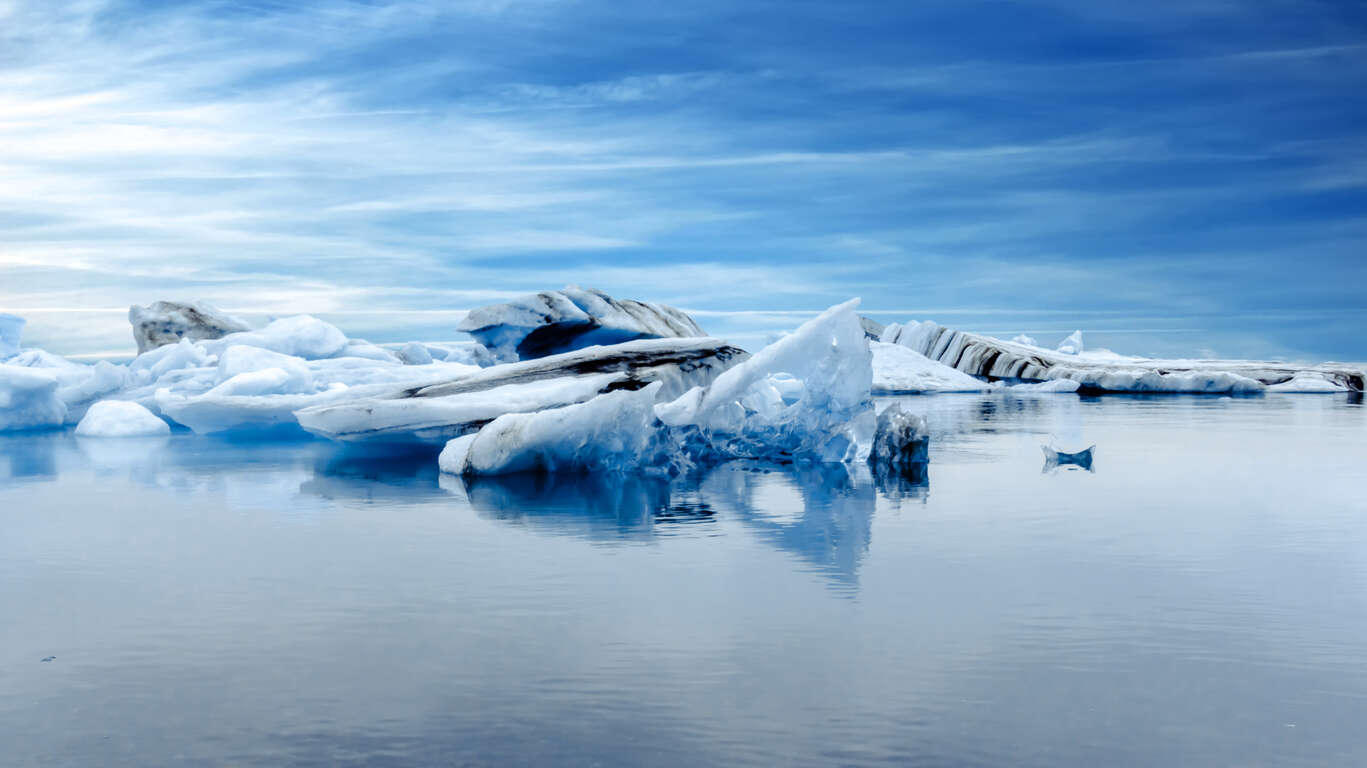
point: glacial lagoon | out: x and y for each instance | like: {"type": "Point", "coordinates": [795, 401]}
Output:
{"type": "Point", "coordinates": [1196, 597]}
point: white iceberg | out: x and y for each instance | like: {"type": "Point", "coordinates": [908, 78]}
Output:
{"type": "Point", "coordinates": [1071, 345]}
{"type": "Point", "coordinates": [300, 335]}
{"type": "Point", "coordinates": [899, 370]}
{"type": "Point", "coordinates": [28, 399]}
{"type": "Point", "coordinates": [120, 418]}
{"type": "Point", "coordinates": [806, 397]}
{"type": "Point", "coordinates": [1053, 386]}
{"type": "Point", "coordinates": [554, 322]}
{"type": "Point", "coordinates": [612, 432]}
{"type": "Point", "coordinates": [1023, 339]}
{"type": "Point", "coordinates": [803, 398]}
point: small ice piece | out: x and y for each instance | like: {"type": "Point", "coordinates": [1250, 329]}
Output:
{"type": "Point", "coordinates": [1309, 383]}
{"type": "Point", "coordinates": [901, 443]}
{"type": "Point", "coordinates": [28, 399]}
{"type": "Point", "coordinates": [806, 397]}
{"type": "Point", "coordinates": [553, 322]}
{"type": "Point", "coordinates": [167, 322]}
{"type": "Point", "coordinates": [1071, 345]}
{"type": "Point", "coordinates": [616, 431]}
{"type": "Point", "coordinates": [120, 418]}
{"type": "Point", "coordinates": [290, 375]}
{"type": "Point", "coordinates": [11, 328]}
{"type": "Point", "coordinates": [150, 366]}
{"type": "Point", "coordinates": [301, 336]}
{"type": "Point", "coordinates": [902, 370]}
{"type": "Point", "coordinates": [1025, 340]}
{"type": "Point", "coordinates": [1053, 457]}
{"type": "Point", "coordinates": [1062, 386]}
{"type": "Point", "coordinates": [873, 329]}
{"type": "Point", "coordinates": [367, 351]}
{"type": "Point", "coordinates": [414, 353]}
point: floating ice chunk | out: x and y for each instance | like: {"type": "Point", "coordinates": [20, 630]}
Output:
{"type": "Point", "coordinates": [1024, 340]}
{"type": "Point", "coordinates": [902, 370]}
{"type": "Point", "coordinates": [1071, 345]}
{"type": "Point", "coordinates": [1307, 382]}
{"type": "Point", "coordinates": [365, 350]}
{"type": "Point", "coordinates": [120, 418]}
{"type": "Point", "coordinates": [612, 432]}
{"type": "Point", "coordinates": [77, 383]}
{"type": "Point", "coordinates": [804, 397]}
{"type": "Point", "coordinates": [901, 442]}
{"type": "Point", "coordinates": [553, 322]}
{"type": "Point", "coordinates": [11, 328]}
{"type": "Point", "coordinates": [301, 336]}
{"type": "Point", "coordinates": [1149, 380]}
{"type": "Point", "coordinates": [414, 353]}
{"type": "Point", "coordinates": [1054, 458]}
{"type": "Point", "coordinates": [1062, 386]}
{"type": "Point", "coordinates": [873, 329]}
{"type": "Point", "coordinates": [168, 322]}
{"type": "Point", "coordinates": [28, 399]}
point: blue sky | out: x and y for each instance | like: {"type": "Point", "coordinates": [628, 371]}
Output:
{"type": "Point", "coordinates": [1186, 177]}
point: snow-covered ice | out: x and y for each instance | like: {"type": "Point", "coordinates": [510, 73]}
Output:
{"type": "Point", "coordinates": [120, 418]}
{"type": "Point", "coordinates": [552, 322]}
{"type": "Point", "coordinates": [902, 370]}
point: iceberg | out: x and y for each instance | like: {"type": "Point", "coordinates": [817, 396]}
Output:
{"type": "Point", "coordinates": [120, 418]}
{"type": "Point", "coordinates": [612, 432]}
{"type": "Point", "coordinates": [901, 443]}
{"type": "Point", "coordinates": [167, 322]}
{"type": "Point", "coordinates": [300, 335]}
{"type": "Point", "coordinates": [28, 399]}
{"type": "Point", "coordinates": [1100, 371]}
{"type": "Point", "coordinates": [899, 370]}
{"type": "Point", "coordinates": [803, 398]}
{"type": "Point", "coordinates": [1071, 345]}
{"type": "Point", "coordinates": [11, 328]}
{"type": "Point", "coordinates": [448, 407]}
{"type": "Point", "coordinates": [806, 397]}
{"type": "Point", "coordinates": [553, 322]}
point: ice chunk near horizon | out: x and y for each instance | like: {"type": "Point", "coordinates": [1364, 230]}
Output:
{"type": "Point", "coordinates": [554, 322]}
{"type": "Point", "coordinates": [1053, 386]}
{"type": "Point", "coordinates": [120, 418]}
{"type": "Point", "coordinates": [806, 397]}
{"type": "Point", "coordinates": [902, 370]}
{"type": "Point", "coordinates": [616, 431]}
{"type": "Point", "coordinates": [414, 353]}
{"type": "Point", "coordinates": [1024, 340]}
{"type": "Point", "coordinates": [1100, 371]}
{"type": "Point", "coordinates": [28, 399]}
{"type": "Point", "coordinates": [168, 322]}
{"type": "Point", "coordinates": [11, 329]}
{"type": "Point", "coordinates": [1308, 383]}
{"type": "Point", "coordinates": [1071, 345]}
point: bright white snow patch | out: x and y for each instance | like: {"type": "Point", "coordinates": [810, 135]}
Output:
{"type": "Point", "coordinates": [902, 370]}
{"type": "Point", "coordinates": [1025, 340]}
{"type": "Point", "coordinates": [120, 418]}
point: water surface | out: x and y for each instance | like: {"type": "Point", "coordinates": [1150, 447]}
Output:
{"type": "Point", "coordinates": [1199, 597]}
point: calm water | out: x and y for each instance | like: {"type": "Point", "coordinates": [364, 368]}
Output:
{"type": "Point", "coordinates": [1199, 598]}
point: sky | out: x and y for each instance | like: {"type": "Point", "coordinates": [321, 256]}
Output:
{"type": "Point", "coordinates": [1172, 178]}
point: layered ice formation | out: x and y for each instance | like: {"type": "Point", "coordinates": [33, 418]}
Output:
{"type": "Point", "coordinates": [806, 398]}
{"type": "Point", "coordinates": [120, 418]}
{"type": "Point", "coordinates": [552, 322]}
{"type": "Point", "coordinates": [167, 322]}
{"type": "Point", "coordinates": [993, 359]}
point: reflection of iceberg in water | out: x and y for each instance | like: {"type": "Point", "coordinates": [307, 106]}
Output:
{"type": "Point", "coordinates": [29, 455]}
{"type": "Point", "coordinates": [594, 506]}
{"type": "Point", "coordinates": [368, 473]}
{"type": "Point", "coordinates": [820, 513]}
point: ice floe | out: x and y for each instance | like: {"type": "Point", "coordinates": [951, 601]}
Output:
{"type": "Point", "coordinates": [552, 322]}
{"type": "Point", "coordinates": [120, 418]}
{"type": "Point", "coordinates": [899, 370]}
